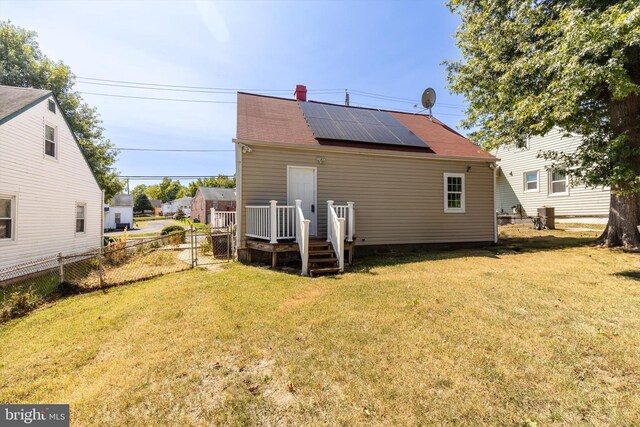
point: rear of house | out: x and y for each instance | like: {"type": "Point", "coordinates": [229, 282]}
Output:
{"type": "Point", "coordinates": [207, 198]}
{"type": "Point", "coordinates": [526, 181]}
{"type": "Point", "coordinates": [50, 201]}
{"type": "Point", "coordinates": [429, 186]}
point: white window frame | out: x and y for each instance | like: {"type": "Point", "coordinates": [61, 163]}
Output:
{"type": "Point", "coordinates": [525, 182]}
{"type": "Point", "coordinates": [13, 218]}
{"type": "Point", "coordinates": [447, 209]}
{"type": "Point", "coordinates": [566, 186]}
{"type": "Point", "coordinates": [84, 219]}
{"type": "Point", "coordinates": [55, 141]}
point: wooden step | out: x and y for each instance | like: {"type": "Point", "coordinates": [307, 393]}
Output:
{"type": "Point", "coordinates": [319, 244]}
{"type": "Point", "coordinates": [322, 260]}
{"type": "Point", "coordinates": [320, 251]}
{"type": "Point", "coordinates": [324, 270]}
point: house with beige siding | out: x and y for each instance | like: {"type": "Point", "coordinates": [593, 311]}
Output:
{"type": "Point", "coordinates": [322, 179]}
{"type": "Point", "coordinates": [50, 201]}
{"type": "Point", "coordinates": [526, 181]}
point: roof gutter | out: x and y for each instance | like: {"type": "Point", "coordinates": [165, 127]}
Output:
{"type": "Point", "coordinates": [349, 150]}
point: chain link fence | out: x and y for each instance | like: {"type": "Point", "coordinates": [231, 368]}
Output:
{"type": "Point", "coordinates": [123, 261]}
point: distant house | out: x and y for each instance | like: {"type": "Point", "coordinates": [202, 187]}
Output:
{"type": "Point", "coordinates": [50, 201]}
{"type": "Point", "coordinates": [525, 181]}
{"type": "Point", "coordinates": [386, 179]}
{"type": "Point", "coordinates": [221, 199]}
{"type": "Point", "coordinates": [119, 213]}
{"type": "Point", "coordinates": [173, 206]}
{"type": "Point", "coordinates": [157, 206]}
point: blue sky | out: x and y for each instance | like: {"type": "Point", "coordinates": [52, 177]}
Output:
{"type": "Point", "coordinates": [384, 47]}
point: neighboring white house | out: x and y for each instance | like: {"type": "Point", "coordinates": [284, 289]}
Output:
{"type": "Point", "coordinates": [119, 213]}
{"type": "Point", "coordinates": [525, 181]}
{"type": "Point", "coordinates": [50, 201]}
{"type": "Point", "coordinates": [183, 203]}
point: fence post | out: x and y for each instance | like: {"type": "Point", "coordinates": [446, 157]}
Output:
{"type": "Point", "coordinates": [100, 273]}
{"type": "Point", "coordinates": [191, 248]}
{"type": "Point", "coordinates": [60, 268]}
{"type": "Point", "coordinates": [274, 221]}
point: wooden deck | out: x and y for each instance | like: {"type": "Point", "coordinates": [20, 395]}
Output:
{"type": "Point", "coordinates": [281, 247]}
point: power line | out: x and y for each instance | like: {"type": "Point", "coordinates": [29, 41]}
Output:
{"type": "Point", "coordinates": [160, 177]}
{"type": "Point", "coordinates": [169, 149]}
{"type": "Point", "coordinates": [160, 99]}
{"type": "Point", "coordinates": [199, 87]}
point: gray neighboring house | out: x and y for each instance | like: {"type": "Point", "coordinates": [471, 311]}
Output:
{"type": "Point", "coordinates": [525, 181]}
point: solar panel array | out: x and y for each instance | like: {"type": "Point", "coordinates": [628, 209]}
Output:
{"type": "Point", "coordinates": [355, 124]}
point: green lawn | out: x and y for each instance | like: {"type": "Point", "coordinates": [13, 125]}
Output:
{"type": "Point", "coordinates": [542, 329]}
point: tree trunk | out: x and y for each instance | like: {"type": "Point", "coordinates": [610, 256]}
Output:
{"type": "Point", "coordinates": [624, 212]}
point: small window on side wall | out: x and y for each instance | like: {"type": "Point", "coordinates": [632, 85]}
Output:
{"type": "Point", "coordinates": [80, 218]}
{"type": "Point", "coordinates": [52, 106]}
{"type": "Point", "coordinates": [454, 193]}
{"type": "Point", "coordinates": [558, 183]}
{"type": "Point", "coordinates": [49, 141]}
{"type": "Point", "coordinates": [531, 181]}
{"type": "Point", "coordinates": [7, 217]}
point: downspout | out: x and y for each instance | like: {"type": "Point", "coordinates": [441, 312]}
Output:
{"type": "Point", "coordinates": [239, 207]}
{"type": "Point", "coordinates": [101, 221]}
{"type": "Point", "coordinates": [494, 167]}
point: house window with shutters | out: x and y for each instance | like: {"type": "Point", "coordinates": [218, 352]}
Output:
{"type": "Point", "coordinates": [454, 193]}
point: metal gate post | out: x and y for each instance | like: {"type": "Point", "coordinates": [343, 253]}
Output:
{"type": "Point", "coordinates": [191, 248]}
{"type": "Point", "coordinates": [60, 268]}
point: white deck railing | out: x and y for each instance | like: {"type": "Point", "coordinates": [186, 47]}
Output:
{"type": "Point", "coordinates": [348, 213]}
{"type": "Point", "coordinates": [271, 222]}
{"type": "Point", "coordinates": [336, 232]}
{"type": "Point", "coordinates": [302, 237]}
{"type": "Point", "coordinates": [221, 219]}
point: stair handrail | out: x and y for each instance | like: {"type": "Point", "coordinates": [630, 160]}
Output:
{"type": "Point", "coordinates": [302, 237]}
{"type": "Point", "coordinates": [335, 233]}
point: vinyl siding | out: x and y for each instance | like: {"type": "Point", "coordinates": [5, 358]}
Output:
{"type": "Point", "coordinates": [47, 189]}
{"type": "Point", "coordinates": [514, 162]}
{"type": "Point", "coordinates": [397, 200]}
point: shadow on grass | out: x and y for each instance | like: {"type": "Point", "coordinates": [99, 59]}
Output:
{"type": "Point", "coordinates": [629, 274]}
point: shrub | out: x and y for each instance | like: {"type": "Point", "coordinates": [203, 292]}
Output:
{"type": "Point", "coordinates": [205, 245]}
{"type": "Point", "coordinates": [176, 234]}
{"type": "Point", "coordinates": [171, 229]}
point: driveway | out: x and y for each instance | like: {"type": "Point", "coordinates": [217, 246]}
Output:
{"type": "Point", "coordinates": [145, 227]}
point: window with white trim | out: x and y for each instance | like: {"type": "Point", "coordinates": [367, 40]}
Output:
{"type": "Point", "coordinates": [558, 182]}
{"type": "Point", "coordinates": [454, 192]}
{"type": "Point", "coordinates": [80, 217]}
{"type": "Point", "coordinates": [7, 217]}
{"type": "Point", "coordinates": [49, 140]}
{"type": "Point", "coordinates": [531, 181]}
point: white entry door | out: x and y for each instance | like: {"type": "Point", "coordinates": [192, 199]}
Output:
{"type": "Point", "coordinates": [301, 184]}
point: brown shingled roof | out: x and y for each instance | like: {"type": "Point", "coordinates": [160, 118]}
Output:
{"type": "Point", "coordinates": [269, 119]}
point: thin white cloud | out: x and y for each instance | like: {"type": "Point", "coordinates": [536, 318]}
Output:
{"type": "Point", "coordinates": [214, 20]}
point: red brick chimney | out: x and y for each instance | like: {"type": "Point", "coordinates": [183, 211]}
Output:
{"type": "Point", "coordinates": [300, 93]}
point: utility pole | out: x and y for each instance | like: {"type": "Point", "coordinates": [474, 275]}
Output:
{"type": "Point", "coordinates": [346, 97]}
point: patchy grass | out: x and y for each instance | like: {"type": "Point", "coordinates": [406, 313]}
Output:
{"type": "Point", "coordinates": [544, 328]}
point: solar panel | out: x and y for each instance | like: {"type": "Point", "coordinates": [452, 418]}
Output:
{"type": "Point", "coordinates": [355, 124]}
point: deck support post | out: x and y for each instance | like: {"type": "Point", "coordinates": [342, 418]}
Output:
{"type": "Point", "coordinates": [274, 221]}
{"type": "Point", "coordinates": [351, 219]}
{"type": "Point", "coordinates": [329, 207]}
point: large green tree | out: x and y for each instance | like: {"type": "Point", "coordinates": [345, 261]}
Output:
{"type": "Point", "coordinates": [22, 63]}
{"type": "Point", "coordinates": [218, 182]}
{"type": "Point", "coordinates": [530, 66]}
{"type": "Point", "coordinates": [166, 190]}
{"type": "Point", "coordinates": [142, 203]}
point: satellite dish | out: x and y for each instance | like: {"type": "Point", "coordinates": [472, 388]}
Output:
{"type": "Point", "coordinates": [428, 98]}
